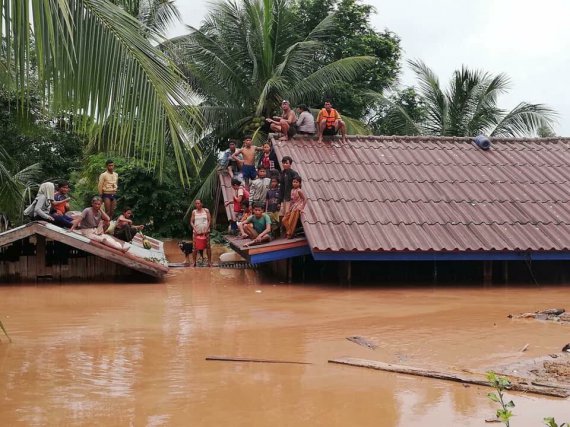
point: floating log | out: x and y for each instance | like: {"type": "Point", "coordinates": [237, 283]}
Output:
{"type": "Point", "coordinates": [363, 342]}
{"type": "Point", "coordinates": [249, 359]}
{"type": "Point", "coordinates": [451, 376]}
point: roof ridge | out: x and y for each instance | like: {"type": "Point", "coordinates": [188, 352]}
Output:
{"type": "Point", "coordinates": [409, 200]}
{"type": "Point", "coordinates": [433, 181]}
{"type": "Point", "coordinates": [360, 163]}
{"type": "Point", "coordinates": [436, 222]}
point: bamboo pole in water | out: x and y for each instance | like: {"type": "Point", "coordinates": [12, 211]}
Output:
{"type": "Point", "coordinates": [449, 376]}
{"type": "Point", "coordinates": [249, 359]}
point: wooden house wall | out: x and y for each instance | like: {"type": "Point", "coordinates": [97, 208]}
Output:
{"type": "Point", "coordinates": [40, 259]}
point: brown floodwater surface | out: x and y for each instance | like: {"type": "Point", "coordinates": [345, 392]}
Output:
{"type": "Point", "coordinates": [120, 355]}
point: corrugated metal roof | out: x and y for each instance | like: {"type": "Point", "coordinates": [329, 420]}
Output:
{"type": "Point", "coordinates": [434, 194]}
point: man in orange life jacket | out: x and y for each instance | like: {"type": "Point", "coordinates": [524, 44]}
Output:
{"type": "Point", "coordinates": [329, 122]}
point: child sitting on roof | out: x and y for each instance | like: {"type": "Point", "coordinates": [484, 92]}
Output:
{"type": "Point", "coordinates": [257, 227]}
{"type": "Point", "coordinates": [298, 201]}
{"type": "Point", "coordinates": [60, 206]}
{"type": "Point", "coordinates": [124, 229]}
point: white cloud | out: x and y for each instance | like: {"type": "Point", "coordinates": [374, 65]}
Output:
{"type": "Point", "coordinates": [527, 40]}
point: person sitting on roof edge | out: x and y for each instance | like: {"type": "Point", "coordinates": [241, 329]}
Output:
{"type": "Point", "coordinates": [330, 123]}
{"type": "Point", "coordinates": [60, 206]}
{"type": "Point", "coordinates": [296, 207]}
{"type": "Point", "coordinates": [257, 227]}
{"type": "Point", "coordinates": [41, 206]}
{"type": "Point", "coordinates": [306, 121]}
{"type": "Point", "coordinates": [125, 230]}
{"type": "Point", "coordinates": [91, 222]}
{"type": "Point", "coordinates": [286, 123]}
{"type": "Point", "coordinates": [248, 152]}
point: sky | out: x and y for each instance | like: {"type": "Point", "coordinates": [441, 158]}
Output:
{"type": "Point", "coordinates": [527, 40]}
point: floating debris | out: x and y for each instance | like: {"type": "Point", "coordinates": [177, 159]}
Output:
{"type": "Point", "coordinates": [249, 359]}
{"type": "Point", "coordinates": [551, 314]}
{"type": "Point", "coordinates": [363, 342]}
{"type": "Point", "coordinates": [517, 383]}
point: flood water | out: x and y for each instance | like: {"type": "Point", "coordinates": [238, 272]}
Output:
{"type": "Point", "coordinates": [110, 354]}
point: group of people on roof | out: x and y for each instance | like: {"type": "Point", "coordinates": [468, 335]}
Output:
{"type": "Point", "coordinates": [268, 198]}
{"type": "Point", "coordinates": [52, 204]}
{"type": "Point", "coordinates": [289, 124]}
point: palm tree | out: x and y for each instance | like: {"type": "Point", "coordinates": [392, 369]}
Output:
{"type": "Point", "coordinates": [15, 188]}
{"type": "Point", "coordinates": [247, 57]}
{"type": "Point", "coordinates": [99, 65]}
{"type": "Point", "coordinates": [468, 107]}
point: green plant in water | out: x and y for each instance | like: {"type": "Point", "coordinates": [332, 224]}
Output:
{"type": "Point", "coordinates": [5, 332]}
{"type": "Point", "coordinates": [504, 413]}
{"type": "Point", "coordinates": [500, 384]}
{"type": "Point", "coordinates": [551, 422]}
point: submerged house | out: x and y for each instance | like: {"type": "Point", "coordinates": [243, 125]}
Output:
{"type": "Point", "coordinates": [41, 251]}
{"type": "Point", "coordinates": [429, 199]}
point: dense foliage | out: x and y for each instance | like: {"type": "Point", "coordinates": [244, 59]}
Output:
{"type": "Point", "coordinates": [352, 35]}
{"type": "Point", "coordinates": [159, 204]}
{"type": "Point", "coordinates": [95, 63]}
{"type": "Point", "coordinates": [247, 56]}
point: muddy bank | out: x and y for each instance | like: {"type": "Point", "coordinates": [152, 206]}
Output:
{"type": "Point", "coordinates": [135, 354]}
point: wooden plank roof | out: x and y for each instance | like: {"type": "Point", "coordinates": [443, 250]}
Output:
{"type": "Point", "coordinates": [151, 262]}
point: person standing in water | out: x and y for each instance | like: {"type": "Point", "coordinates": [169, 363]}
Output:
{"type": "Point", "coordinates": [200, 222]}
{"type": "Point", "coordinates": [108, 185]}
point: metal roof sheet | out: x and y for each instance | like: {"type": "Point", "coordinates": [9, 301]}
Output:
{"type": "Point", "coordinates": [434, 193]}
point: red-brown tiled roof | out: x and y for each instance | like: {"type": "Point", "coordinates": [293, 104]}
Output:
{"type": "Point", "coordinates": [434, 194]}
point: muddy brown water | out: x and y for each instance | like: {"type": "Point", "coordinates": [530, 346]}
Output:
{"type": "Point", "coordinates": [122, 355]}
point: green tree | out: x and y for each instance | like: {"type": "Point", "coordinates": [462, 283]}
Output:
{"type": "Point", "coordinates": [352, 35]}
{"type": "Point", "coordinates": [98, 66]}
{"type": "Point", "coordinates": [468, 107]}
{"type": "Point", "coordinates": [386, 120]}
{"type": "Point", "coordinates": [28, 138]}
{"type": "Point", "coordinates": [247, 56]}
{"type": "Point", "coordinates": [16, 183]}
{"type": "Point", "coordinates": [161, 204]}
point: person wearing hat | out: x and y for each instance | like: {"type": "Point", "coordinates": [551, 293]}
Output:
{"type": "Point", "coordinates": [286, 123]}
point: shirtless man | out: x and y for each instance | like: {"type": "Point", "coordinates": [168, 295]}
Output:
{"type": "Point", "coordinates": [286, 124]}
{"type": "Point", "coordinates": [248, 153]}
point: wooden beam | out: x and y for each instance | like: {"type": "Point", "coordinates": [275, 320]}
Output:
{"type": "Point", "coordinates": [40, 256]}
{"type": "Point", "coordinates": [81, 242]}
{"type": "Point", "coordinates": [451, 376]}
{"type": "Point", "coordinates": [14, 234]}
{"type": "Point", "coordinates": [249, 359]}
